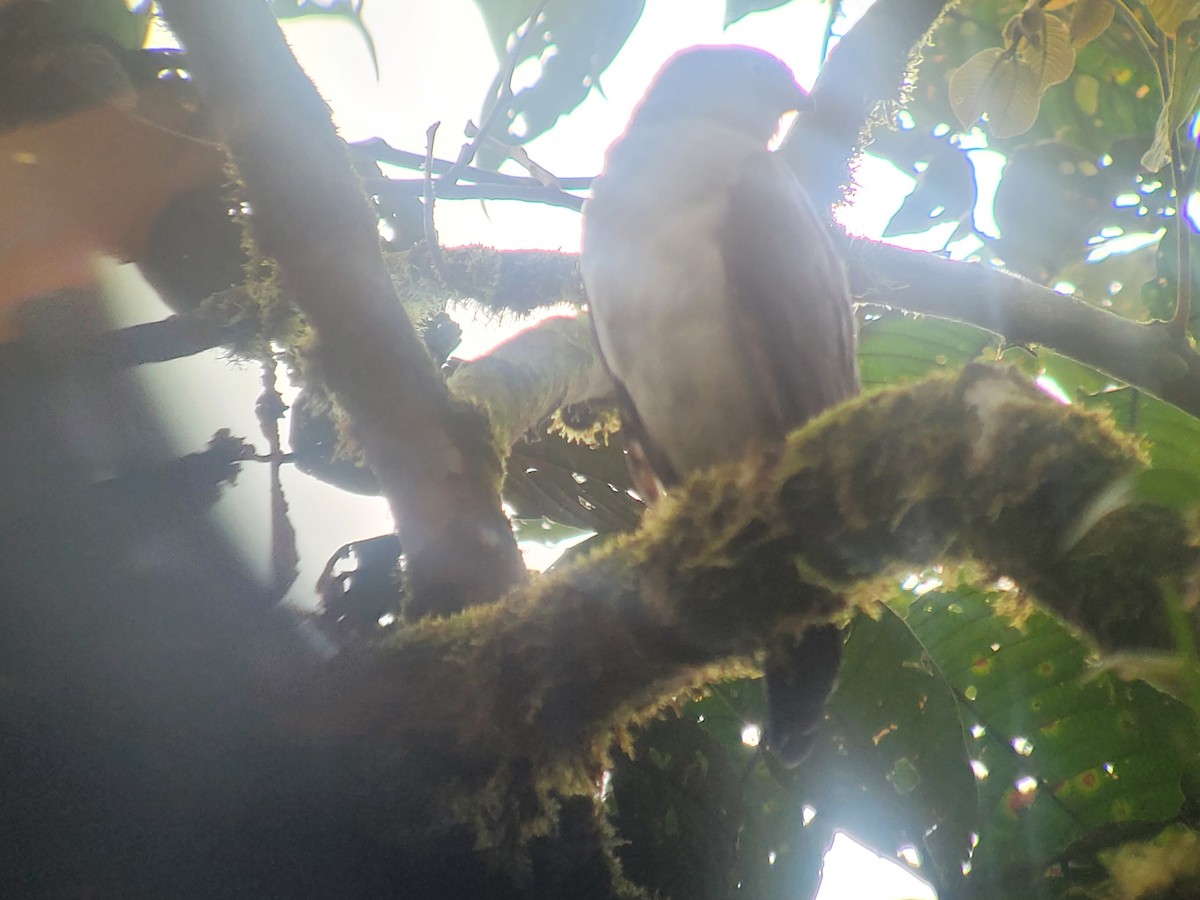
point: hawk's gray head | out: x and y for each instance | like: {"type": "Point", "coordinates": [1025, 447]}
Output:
{"type": "Point", "coordinates": [742, 87]}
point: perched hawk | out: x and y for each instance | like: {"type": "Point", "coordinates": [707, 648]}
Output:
{"type": "Point", "coordinates": [719, 302]}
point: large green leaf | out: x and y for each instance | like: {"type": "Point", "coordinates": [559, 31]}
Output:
{"type": "Point", "coordinates": [779, 855]}
{"type": "Point", "coordinates": [676, 803]}
{"type": "Point", "coordinates": [1058, 757]}
{"type": "Point", "coordinates": [1172, 436]}
{"type": "Point", "coordinates": [896, 346]}
{"type": "Point", "coordinates": [572, 484]}
{"type": "Point", "coordinates": [891, 766]}
{"type": "Point", "coordinates": [945, 192]}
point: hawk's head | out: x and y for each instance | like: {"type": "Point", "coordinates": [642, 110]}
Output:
{"type": "Point", "coordinates": [742, 87]}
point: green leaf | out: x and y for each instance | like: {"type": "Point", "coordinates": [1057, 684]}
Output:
{"type": "Point", "coordinates": [1052, 199]}
{"type": "Point", "coordinates": [1169, 15]}
{"type": "Point", "coordinates": [1173, 435]}
{"type": "Point", "coordinates": [1057, 756]}
{"type": "Point", "coordinates": [778, 854]}
{"type": "Point", "coordinates": [894, 735]}
{"type": "Point", "coordinates": [569, 483]}
{"type": "Point", "coordinates": [1046, 47]}
{"type": "Point", "coordinates": [945, 192]}
{"type": "Point", "coordinates": [1000, 85]}
{"type": "Point", "coordinates": [1090, 19]}
{"type": "Point", "coordinates": [677, 805]}
{"type": "Point", "coordinates": [737, 9]}
{"type": "Point", "coordinates": [897, 346]}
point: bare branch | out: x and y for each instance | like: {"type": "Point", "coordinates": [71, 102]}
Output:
{"type": "Point", "coordinates": [433, 458]}
{"type": "Point", "coordinates": [381, 151]}
{"type": "Point", "coordinates": [529, 191]}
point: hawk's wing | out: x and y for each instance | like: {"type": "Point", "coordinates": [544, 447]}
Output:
{"type": "Point", "coordinates": [794, 314]}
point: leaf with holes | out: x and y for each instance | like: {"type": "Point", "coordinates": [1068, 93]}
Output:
{"type": "Point", "coordinates": [1057, 756]}
{"type": "Point", "coordinates": [574, 43]}
{"type": "Point", "coordinates": [779, 853]}
{"type": "Point", "coordinates": [894, 734]}
{"type": "Point", "coordinates": [945, 192]}
{"type": "Point", "coordinates": [571, 484]}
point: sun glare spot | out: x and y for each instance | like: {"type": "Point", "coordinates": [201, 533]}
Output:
{"type": "Point", "coordinates": [751, 735]}
{"type": "Point", "coordinates": [1052, 388]}
{"type": "Point", "coordinates": [980, 770]}
{"type": "Point", "coordinates": [1026, 785]}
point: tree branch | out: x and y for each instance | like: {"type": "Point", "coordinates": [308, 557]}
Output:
{"type": "Point", "coordinates": [529, 376]}
{"type": "Point", "coordinates": [1147, 355]}
{"type": "Point", "coordinates": [867, 67]}
{"type": "Point", "coordinates": [518, 700]}
{"type": "Point", "coordinates": [432, 457]}
{"type": "Point", "coordinates": [528, 190]}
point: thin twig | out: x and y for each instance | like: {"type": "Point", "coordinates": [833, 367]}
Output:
{"type": "Point", "coordinates": [1160, 53]}
{"type": "Point", "coordinates": [529, 191]}
{"type": "Point", "coordinates": [520, 156]}
{"type": "Point", "coordinates": [431, 235]}
{"type": "Point", "coordinates": [1156, 47]}
{"type": "Point", "coordinates": [1183, 235]}
{"type": "Point", "coordinates": [380, 151]}
{"type": "Point", "coordinates": [501, 93]}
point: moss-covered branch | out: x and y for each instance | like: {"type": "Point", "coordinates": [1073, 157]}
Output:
{"type": "Point", "coordinates": [529, 376]}
{"type": "Point", "coordinates": [866, 68]}
{"type": "Point", "coordinates": [518, 700]}
{"type": "Point", "coordinates": [430, 454]}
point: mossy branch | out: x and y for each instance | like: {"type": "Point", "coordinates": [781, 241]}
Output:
{"type": "Point", "coordinates": [518, 700]}
{"type": "Point", "coordinates": [431, 454]}
{"type": "Point", "coordinates": [529, 376]}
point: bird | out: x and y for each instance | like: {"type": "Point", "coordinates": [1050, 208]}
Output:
{"type": "Point", "coordinates": [720, 306]}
